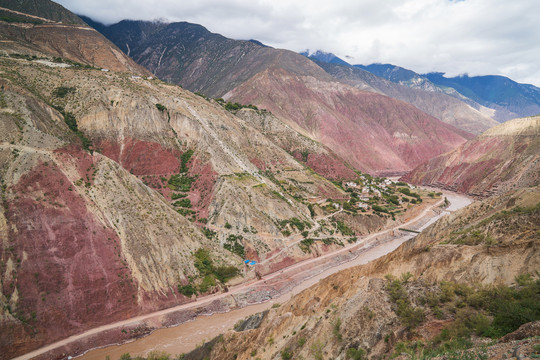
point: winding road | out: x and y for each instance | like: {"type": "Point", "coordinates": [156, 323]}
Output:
{"type": "Point", "coordinates": [371, 252]}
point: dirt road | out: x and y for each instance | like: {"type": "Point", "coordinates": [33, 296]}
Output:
{"type": "Point", "coordinates": [284, 283]}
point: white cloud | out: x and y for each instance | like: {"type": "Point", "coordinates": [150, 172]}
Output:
{"type": "Point", "coordinates": [478, 37]}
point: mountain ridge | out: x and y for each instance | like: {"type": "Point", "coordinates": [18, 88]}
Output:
{"type": "Point", "coordinates": [508, 98]}
{"type": "Point", "coordinates": [215, 66]}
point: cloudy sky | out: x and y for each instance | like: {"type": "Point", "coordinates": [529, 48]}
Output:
{"type": "Point", "coordinates": [477, 37]}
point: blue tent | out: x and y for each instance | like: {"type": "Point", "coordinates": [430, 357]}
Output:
{"type": "Point", "coordinates": [246, 261]}
{"type": "Point", "coordinates": [252, 262]}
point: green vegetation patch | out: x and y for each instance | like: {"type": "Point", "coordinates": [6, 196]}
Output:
{"type": "Point", "coordinates": [161, 108]}
{"type": "Point", "coordinates": [62, 91]}
{"type": "Point", "coordinates": [208, 272]}
{"type": "Point", "coordinates": [408, 192]}
{"type": "Point", "coordinates": [71, 122]}
{"type": "Point", "coordinates": [184, 159]}
{"type": "Point", "coordinates": [234, 243]}
{"type": "Point", "coordinates": [343, 228]}
{"type": "Point", "coordinates": [234, 107]}
{"type": "Point", "coordinates": [179, 182]}
{"type": "Point", "coordinates": [477, 310]}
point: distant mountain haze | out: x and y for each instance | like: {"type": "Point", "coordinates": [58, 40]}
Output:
{"type": "Point", "coordinates": [508, 98]}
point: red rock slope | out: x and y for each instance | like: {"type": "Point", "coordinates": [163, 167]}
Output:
{"type": "Point", "coordinates": [502, 158]}
{"type": "Point", "coordinates": [373, 132]}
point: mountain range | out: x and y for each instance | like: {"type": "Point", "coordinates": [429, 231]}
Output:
{"type": "Point", "coordinates": [506, 97]}
{"type": "Point", "coordinates": [142, 163]}
{"type": "Point", "coordinates": [295, 89]}
{"type": "Point", "coordinates": [495, 96]}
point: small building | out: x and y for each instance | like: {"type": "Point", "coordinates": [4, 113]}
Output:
{"type": "Point", "coordinates": [316, 200]}
{"type": "Point", "coordinates": [362, 205]}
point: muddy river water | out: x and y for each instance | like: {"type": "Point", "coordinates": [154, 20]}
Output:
{"type": "Point", "coordinates": [185, 337]}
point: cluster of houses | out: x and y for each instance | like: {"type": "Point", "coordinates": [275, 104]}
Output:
{"type": "Point", "coordinates": [369, 189]}
{"type": "Point", "coordinates": [366, 190]}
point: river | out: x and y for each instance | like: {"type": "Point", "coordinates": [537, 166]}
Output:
{"type": "Point", "coordinates": [185, 337]}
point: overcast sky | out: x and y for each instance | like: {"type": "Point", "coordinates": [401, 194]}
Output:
{"type": "Point", "coordinates": [477, 37]}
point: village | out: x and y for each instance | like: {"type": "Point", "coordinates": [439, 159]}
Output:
{"type": "Point", "coordinates": [374, 195]}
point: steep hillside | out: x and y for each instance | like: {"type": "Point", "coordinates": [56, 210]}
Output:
{"type": "Point", "coordinates": [305, 150]}
{"type": "Point", "coordinates": [41, 9]}
{"type": "Point", "coordinates": [83, 240]}
{"type": "Point", "coordinates": [57, 33]}
{"type": "Point", "coordinates": [122, 195]}
{"type": "Point", "coordinates": [189, 55]}
{"type": "Point", "coordinates": [503, 158]}
{"type": "Point", "coordinates": [436, 103]}
{"type": "Point", "coordinates": [464, 281]}
{"type": "Point", "coordinates": [373, 132]}
{"type": "Point", "coordinates": [400, 136]}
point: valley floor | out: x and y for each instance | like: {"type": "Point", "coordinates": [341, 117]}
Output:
{"type": "Point", "coordinates": [246, 299]}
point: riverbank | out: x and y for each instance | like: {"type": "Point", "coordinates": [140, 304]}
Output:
{"type": "Point", "coordinates": [238, 303]}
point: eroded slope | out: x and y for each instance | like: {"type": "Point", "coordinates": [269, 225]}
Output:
{"type": "Point", "coordinates": [436, 298]}
{"type": "Point", "coordinates": [503, 158]}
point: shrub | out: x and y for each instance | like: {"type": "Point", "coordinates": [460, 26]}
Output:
{"type": "Point", "coordinates": [297, 223]}
{"type": "Point", "coordinates": [185, 203]}
{"type": "Point", "coordinates": [355, 354]}
{"type": "Point", "coordinates": [311, 210]}
{"type": "Point", "coordinates": [184, 159]}
{"type": "Point", "coordinates": [62, 91]}
{"type": "Point", "coordinates": [316, 350]}
{"type": "Point", "coordinates": [336, 327]}
{"type": "Point", "coordinates": [234, 245]}
{"type": "Point", "coordinates": [224, 273]}
{"type": "Point", "coordinates": [187, 290]}
{"type": "Point", "coordinates": [286, 354]}
{"type": "Point", "coordinates": [203, 262]}
{"type": "Point", "coordinates": [179, 182]}
{"type": "Point", "coordinates": [405, 277]}
{"type": "Point", "coordinates": [208, 233]}
{"type": "Point", "coordinates": [208, 282]}
{"type": "Point", "coordinates": [305, 245]}
{"type": "Point", "coordinates": [176, 196]}
{"type": "Point", "coordinates": [161, 107]}
{"type": "Point", "coordinates": [71, 122]}
{"type": "Point", "coordinates": [344, 229]}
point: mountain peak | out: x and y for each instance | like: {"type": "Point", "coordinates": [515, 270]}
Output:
{"type": "Point", "coordinates": [325, 57]}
